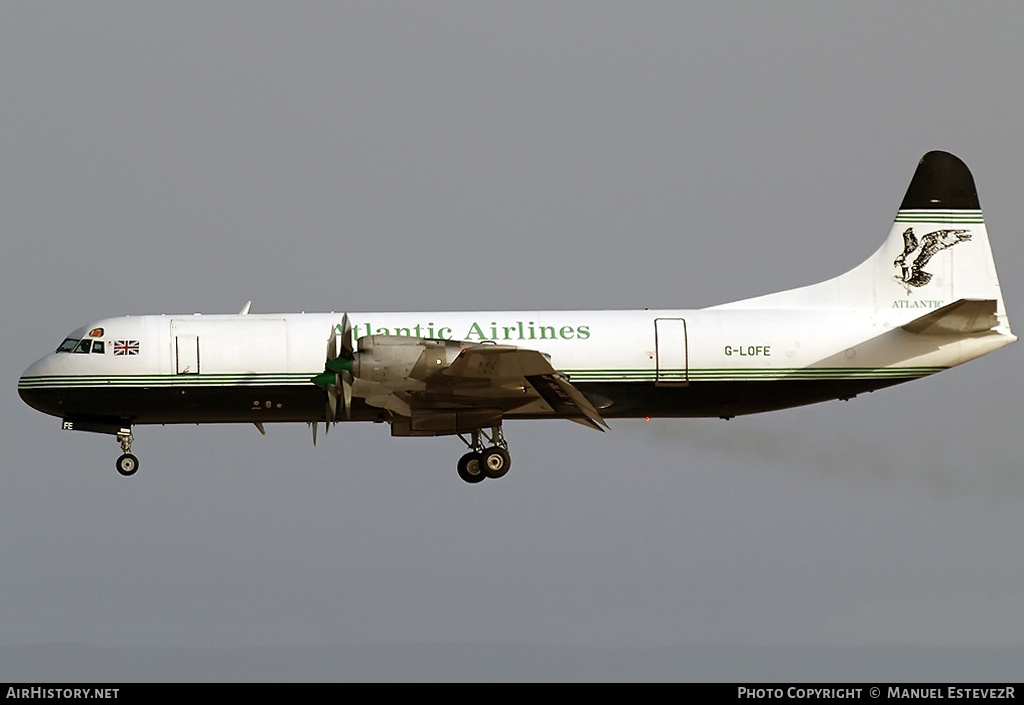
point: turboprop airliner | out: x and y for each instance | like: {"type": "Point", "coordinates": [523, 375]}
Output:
{"type": "Point", "coordinates": [927, 300]}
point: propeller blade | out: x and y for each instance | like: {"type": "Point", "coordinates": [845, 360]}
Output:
{"type": "Point", "coordinates": [346, 391]}
{"type": "Point", "coordinates": [332, 404]}
{"type": "Point", "coordinates": [332, 345]}
{"type": "Point", "coordinates": [346, 338]}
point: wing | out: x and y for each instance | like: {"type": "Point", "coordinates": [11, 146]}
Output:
{"type": "Point", "coordinates": [502, 372]}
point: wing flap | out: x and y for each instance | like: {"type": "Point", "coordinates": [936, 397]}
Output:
{"type": "Point", "coordinates": [509, 367]}
{"type": "Point", "coordinates": [566, 400]}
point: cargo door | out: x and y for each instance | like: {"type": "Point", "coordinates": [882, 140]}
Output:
{"type": "Point", "coordinates": [672, 357]}
{"type": "Point", "coordinates": [230, 345]}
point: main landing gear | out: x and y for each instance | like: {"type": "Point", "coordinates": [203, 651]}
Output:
{"type": "Point", "coordinates": [482, 462]}
{"type": "Point", "coordinates": [127, 464]}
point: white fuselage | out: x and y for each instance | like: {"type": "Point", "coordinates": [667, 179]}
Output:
{"type": "Point", "coordinates": [662, 349]}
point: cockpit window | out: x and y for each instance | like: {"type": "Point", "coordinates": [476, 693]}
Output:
{"type": "Point", "coordinates": [97, 347]}
{"type": "Point", "coordinates": [84, 346]}
{"type": "Point", "coordinates": [68, 345]}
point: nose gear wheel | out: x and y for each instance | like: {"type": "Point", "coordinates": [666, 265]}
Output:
{"type": "Point", "coordinates": [127, 463]}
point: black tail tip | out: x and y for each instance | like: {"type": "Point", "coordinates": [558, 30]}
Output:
{"type": "Point", "coordinates": [942, 181]}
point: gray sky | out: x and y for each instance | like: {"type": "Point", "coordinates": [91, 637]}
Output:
{"type": "Point", "coordinates": [189, 156]}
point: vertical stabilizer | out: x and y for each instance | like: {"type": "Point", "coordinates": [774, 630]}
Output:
{"type": "Point", "coordinates": [937, 253]}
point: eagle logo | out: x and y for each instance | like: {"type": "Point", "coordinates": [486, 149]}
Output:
{"type": "Point", "coordinates": [911, 269]}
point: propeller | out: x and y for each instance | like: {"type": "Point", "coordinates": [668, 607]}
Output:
{"type": "Point", "coordinates": [336, 379]}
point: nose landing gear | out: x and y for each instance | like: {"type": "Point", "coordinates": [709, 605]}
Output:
{"type": "Point", "coordinates": [127, 464]}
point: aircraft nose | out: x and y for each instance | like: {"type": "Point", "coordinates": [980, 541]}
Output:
{"type": "Point", "coordinates": [33, 390]}
{"type": "Point", "coordinates": [34, 371]}
{"type": "Point", "coordinates": [28, 376]}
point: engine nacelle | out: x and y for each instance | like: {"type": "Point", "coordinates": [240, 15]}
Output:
{"type": "Point", "coordinates": [397, 362]}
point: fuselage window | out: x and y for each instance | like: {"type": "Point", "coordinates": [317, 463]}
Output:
{"type": "Point", "coordinates": [97, 347]}
{"type": "Point", "coordinates": [83, 347]}
{"type": "Point", "coordinates": [68, 345]}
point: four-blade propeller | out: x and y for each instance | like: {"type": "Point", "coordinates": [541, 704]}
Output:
{"type": "Point", "coordinates": [336, 379]}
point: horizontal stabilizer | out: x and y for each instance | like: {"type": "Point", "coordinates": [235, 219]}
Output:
{"type": "Point", "coordinates": [959, 317]}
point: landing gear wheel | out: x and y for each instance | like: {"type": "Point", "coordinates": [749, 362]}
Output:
{"type": "Point", "coordinates": [470, 469]}
{"type": "Point", "coordinates": [495, 462]}
{"type": "Point", "coordinates": [127, 465]}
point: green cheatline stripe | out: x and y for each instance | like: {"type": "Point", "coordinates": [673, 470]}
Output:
{"type": "Point", "coordinates": [939, 216]}
{"type": "Point", "coordinates": [598, 375]}
{"type": "Point", "coordinates": [217, 380]}
{"type": "Point", "coordinates": [747, 374]}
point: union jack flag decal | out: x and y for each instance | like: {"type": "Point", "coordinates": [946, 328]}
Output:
{"type": "Point", "coordinates": [126, 347]}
